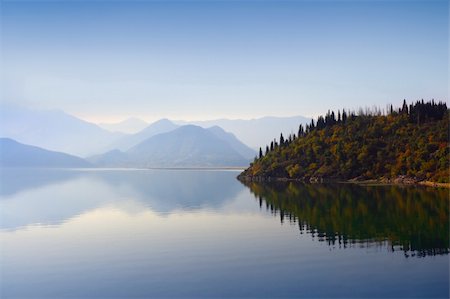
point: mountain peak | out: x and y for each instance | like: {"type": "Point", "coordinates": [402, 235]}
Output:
{"type": "Point", "coordinates": [162, 121]}
{"type": "Point", "coordinates": [185, 146]}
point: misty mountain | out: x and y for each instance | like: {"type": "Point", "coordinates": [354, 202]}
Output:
{"type": "Point", "coordinates": [256, 132]}
{"type": "Point", "coordinates": [58, 131]}
{"type": "Point", "coordinates": [15, 154]}
{"type": "Point", "coordinates": [130, 125]}
{"type": "Point", "coordinates": [113, 158]}
{"type": "Point", "coordinates": [235, 143]}
{"type": "Point", "coordinates": [128, 141]}
{"type": "Point", "coordinates": [54, 130]}
{"type": "Point", "coordinates": [186, 146]}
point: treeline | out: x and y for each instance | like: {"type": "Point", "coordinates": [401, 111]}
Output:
{"type": "Point", "coordinates": [411, 141]}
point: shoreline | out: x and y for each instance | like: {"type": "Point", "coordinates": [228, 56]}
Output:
{"type": "Point", "coordinates": [399, 181]}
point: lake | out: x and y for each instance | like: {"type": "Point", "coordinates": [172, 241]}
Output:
{"type": "Point", "coordinates": [202, 233]}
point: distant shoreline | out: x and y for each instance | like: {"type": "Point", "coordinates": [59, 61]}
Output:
{"type": "Point", "coordinates": [198, 168]}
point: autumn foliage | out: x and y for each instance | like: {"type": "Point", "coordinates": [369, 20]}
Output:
{"type": "Point", "coordinates": [410, 141]}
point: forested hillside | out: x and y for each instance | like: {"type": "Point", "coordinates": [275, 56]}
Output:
{"type": "Point", "coordinates": [410, 141]}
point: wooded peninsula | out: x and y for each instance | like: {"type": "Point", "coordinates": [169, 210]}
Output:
{"type": "Point", "coordinates": [405, 145]}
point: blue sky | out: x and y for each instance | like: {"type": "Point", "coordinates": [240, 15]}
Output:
{"type": "Point", "coordinates": [107, 60]}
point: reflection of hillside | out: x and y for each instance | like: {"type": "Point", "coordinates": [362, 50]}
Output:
{"type": "Point", "coordinates": [413, 219]}
{"type": "Point", "coordinates": [54, 196]}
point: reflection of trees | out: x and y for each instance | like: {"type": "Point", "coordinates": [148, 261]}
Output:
{"type": "Point", "coordinates": [412, 219]}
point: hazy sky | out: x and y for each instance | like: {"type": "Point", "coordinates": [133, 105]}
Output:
{"type": "Point", "coordinates": [107, 60]}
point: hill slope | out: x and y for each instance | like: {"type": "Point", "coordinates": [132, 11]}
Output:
{"type": "Point", "coordinates": [235, 143]}
{"type": "Point", "coordinates": [412, 142]}
{"type": "Point", "coordinates": [158, 127]}
{"type": "Point", "coordinates": [15, 154]}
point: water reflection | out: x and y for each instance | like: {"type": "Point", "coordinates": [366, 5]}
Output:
{"type": "Point", "coordinates": [168, 190]}
{"type": "Point", "coordinates": [16, 180]}
{"type": "Point", "coordinates": [51, 196]}
{"type": "Point", "coordinates": [193, 234]}
{"type": "Point", "coordinates": [412, 219]}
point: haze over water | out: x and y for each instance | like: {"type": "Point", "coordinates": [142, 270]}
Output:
{"type": "Point", "coordinates": [195, 233]}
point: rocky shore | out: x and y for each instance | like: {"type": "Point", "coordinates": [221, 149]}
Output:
{"type": "Point", "coordinates": [399, 180]}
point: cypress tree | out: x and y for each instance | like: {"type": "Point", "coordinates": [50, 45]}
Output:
{"type": "Point", "coordinates": [405, 107]}
{"type": "Point", "coordinates": [300, 131]}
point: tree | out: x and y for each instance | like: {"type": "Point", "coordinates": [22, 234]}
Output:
{"type": "Point", "coordinates": [300, 131]}
{"type": "Point", "coordinates": [404, 107]}
{"type": "Point", "coordinates": [344, 116]}
{"type": "Point", "coordinates": [260, 153]}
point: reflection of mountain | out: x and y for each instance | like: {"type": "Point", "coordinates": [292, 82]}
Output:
{"type": "Point", "coordinates": [57, 195]}
{"type": "Point", "coordinates": [16, 180]}
{"type": "Point", "coordinates": [167, 190]}
{"type": "Point", "coordinates": [412, 219]}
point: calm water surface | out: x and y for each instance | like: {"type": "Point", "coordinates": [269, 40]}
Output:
{"type": "Point", "coordinates": [192, 233]}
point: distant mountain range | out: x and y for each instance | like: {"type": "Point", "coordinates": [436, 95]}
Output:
{"type": "Point", "coordinates": [186, 146]}
{"type": "Point", "coordinates": [15, 154]}
{"type": "Point", "coordinates": [252, 132]}
{"type": "Point", "coordinates": [161, 144]}
{"type": "Point", "coordinates": [54, 130]}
